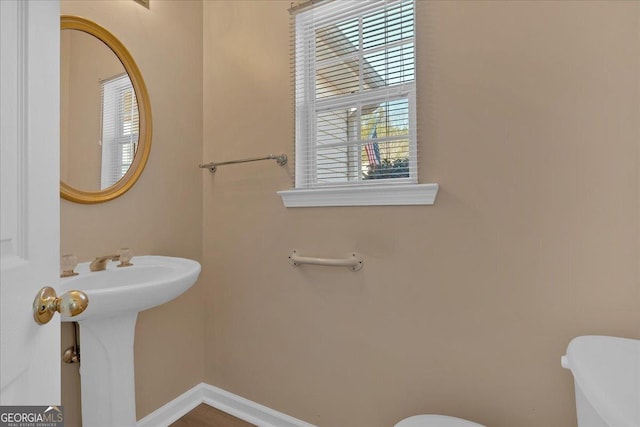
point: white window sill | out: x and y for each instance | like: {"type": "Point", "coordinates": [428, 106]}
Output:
{"type": "Point", "coordinates": [376, 195]}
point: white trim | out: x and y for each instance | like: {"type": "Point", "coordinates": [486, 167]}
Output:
{"type": "Point", "coordinates": [248, 410]}
{"type": "Point", "coordinates": [223, 400]}
{"type": "Point", "coordinates": [174, 410]}
{"type": "Point", "coordinates": [376, 195]}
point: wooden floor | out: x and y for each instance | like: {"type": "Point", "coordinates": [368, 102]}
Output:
{"type": "Point", "coordinates": [206, 416]}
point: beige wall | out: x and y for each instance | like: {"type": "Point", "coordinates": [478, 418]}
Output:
{"type": "Point", "coordinates": [162, 213]}
{"type": "Point", "coordinates": [528, 117]}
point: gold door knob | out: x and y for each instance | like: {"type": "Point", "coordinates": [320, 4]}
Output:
{"type": "Point", "coordinates": [47, 303]}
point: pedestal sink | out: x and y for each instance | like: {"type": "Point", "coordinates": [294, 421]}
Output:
{"type": "Point", "coordinates": [107, 328]}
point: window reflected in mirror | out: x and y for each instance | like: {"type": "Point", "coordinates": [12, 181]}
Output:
{"type": "Point", "coordinates": [120, 123]}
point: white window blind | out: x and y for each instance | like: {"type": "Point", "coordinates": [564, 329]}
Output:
{"type": "Point", "coordinates": [120, 124]}
{"type": "Point", "coordinates": [355, 94]}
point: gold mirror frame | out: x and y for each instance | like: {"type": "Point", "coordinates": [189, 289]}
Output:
{"type": "Point", "coordinates": [69, 22]}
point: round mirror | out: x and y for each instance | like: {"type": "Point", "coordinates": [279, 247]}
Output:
{"type": "Point", "coordinates": [105, 114]}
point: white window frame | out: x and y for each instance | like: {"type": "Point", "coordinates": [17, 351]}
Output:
{"type": "Point", "coordinates": [113, 90]}
{"type": "Point", "coordinates": [307, 193]}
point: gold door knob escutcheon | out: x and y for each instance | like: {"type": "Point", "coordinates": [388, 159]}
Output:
{"type": "Point", "coordinates": [47, 303]}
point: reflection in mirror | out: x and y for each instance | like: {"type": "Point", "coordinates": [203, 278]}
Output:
{"type": "Point", "coordinates": [119, 130]}
{"type": "Point", "coordinates": [99, 119]}
{"type": "Point", "coordinates": [105, 124]}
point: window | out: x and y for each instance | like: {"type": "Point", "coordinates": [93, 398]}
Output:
{"type": "Point", "coordinates": [120, 124]}
{"type": "Point", "coordinates": [355, 101]}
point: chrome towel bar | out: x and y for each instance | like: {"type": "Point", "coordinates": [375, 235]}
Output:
{"type": "Point", "coordinates": [354, 262]}
{"type": "Point", "coordinates": [280, 158]}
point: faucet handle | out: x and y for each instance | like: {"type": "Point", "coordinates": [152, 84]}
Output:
{"type": "Point", "coordinates": [68, 263]}
{"type": "Point", "coordinates": [124, 255]}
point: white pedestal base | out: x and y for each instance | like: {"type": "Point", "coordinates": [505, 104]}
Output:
{"type": "Point", "coordinates": [106, 371]}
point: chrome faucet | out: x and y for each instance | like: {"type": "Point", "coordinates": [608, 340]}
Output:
{"type": "Point", "coordinates": [100, 263]}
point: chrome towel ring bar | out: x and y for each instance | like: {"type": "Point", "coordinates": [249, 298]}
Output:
{"type": "Point", "coordinates": [281, 159]}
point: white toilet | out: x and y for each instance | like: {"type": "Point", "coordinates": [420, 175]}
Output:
{"type": "Point", "coordinates": [606, 374]}
{"type": "Point", "coordinates": [436, 421]}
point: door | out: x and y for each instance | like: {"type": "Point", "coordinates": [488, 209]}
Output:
{"type": "Point", "coordinates": [29, 199]}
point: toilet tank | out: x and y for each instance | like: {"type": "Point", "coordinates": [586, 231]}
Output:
{"type": "Point", "coordinates": [606, 373]}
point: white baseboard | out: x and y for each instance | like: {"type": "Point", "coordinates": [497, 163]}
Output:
{"type": "Point", "coordinates": [174, 410]}
{"type": "Point", "coordinates": [223, 400]}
